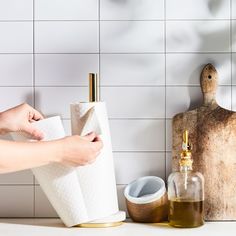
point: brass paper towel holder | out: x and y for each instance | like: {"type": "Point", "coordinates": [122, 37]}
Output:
{"type": "Point", "coordinates": [94, 88]}
{"type": "Point", "coordinates": [94, 96]}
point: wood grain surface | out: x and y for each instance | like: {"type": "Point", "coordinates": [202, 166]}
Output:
{"type": "Point", "coordinates": [212, 132]}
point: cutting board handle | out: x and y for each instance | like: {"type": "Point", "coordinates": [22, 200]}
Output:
{"type": "Point", "coordinates": [209, 82]}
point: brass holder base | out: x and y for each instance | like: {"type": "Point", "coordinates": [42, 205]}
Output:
{"type": "Point", "coordinates": [99, 225]}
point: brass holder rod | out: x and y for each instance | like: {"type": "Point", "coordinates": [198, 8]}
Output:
{"type": "Point", "coordinates": [94, 88]}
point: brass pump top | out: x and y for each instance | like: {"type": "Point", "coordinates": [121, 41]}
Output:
{"type": "Point", "coordinates": [186, 156]}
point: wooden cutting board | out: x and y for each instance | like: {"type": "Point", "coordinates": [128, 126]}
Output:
{"type": "Point", "coordinates": [212, 132]}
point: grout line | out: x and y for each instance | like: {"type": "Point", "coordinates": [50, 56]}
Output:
{"type": "Point", "coordinates": [16, 184]}
{"type": "Point", "coordinates": [99, 44]}
{"type": "Point", "coordinates": [231, 55]}
{"type": "Point", "coordinates": [117, 20]}
{"type": "Point", "coordinates": [165, 135]}
{"type": "Point", "coordinates": [131, 118]}
{"type": "Point", "coordinates": [139, 151]}
{"type": "Point", "coordinates": [34, 92]}
{"type": "Point", "coordinates": [111, 86]}
{"type": "Point", "coordinates": [117, 53]}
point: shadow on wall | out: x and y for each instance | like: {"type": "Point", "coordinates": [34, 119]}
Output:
{"type": "Point", "coordinates": [208, 38]}
{"type": "Point", "coordinates": [214, 6]}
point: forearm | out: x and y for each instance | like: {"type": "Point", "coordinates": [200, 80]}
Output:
{"type": "Point", "coordinates": [15, 156]}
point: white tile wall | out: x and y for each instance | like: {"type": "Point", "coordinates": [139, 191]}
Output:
{"type": "Point", "coordinates": [149, 54]}
{"type": "Point", "coordinates": [17, 178]}
{"type": "Point", "coordinates": [131, 36]}
{"type": "Point", "coordinates": [132, 10]}
{"type": "Point", "coordinates": [200, 9]}
{"type": "Point", "coordinates": [17, 201]}
{"type": "Point", "coordinates": [188, 71]}
{"type": "Point", "coordinates": [132, 69]}
{"type": "Point", "coordinates": [66, 10]}
{"type": "Point", "coordinates": [16, 10]}
{"type": "Point", "coordinates": [130, 166]}
{"type": "Point", "coordinates": [64, 69]}
{"type": "Point", "coordinates": [66, 36]}
{"type": "Point", "coordinates": [16, 37]}
{"type": "Point", "coordinates": [16, 69]}
{"type": "Point", "coordinates": [134, 102]}
{"type": "Point", "coordinates": [198, 36]}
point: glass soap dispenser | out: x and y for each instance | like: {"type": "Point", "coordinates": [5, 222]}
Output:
{"type": "Point", "coordinates": [186, 192]}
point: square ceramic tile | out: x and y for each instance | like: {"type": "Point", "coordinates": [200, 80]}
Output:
{"type": "Point", "coordinates": [56, 100]}
{"type": "Point", "coordinates": [223, 97]}
{"type": "Point", "coordinates": [234, 68]}
{"type": "Point", "coordinates": [234, 35]}
{"type": "Point", "coordinates": [16, 70]}
{"type": "Point", "coordinates": [19, 177]}
{"type": "Point", "coordinates": [233, 9]}
{"type": "Point", "coordinates": [64, 69]}
{"type": "Point", "coordinates": [234, 98]}
{"type": "Point", "coordinates": [43, 207]}
{"type": "Point", "coordinates": [121, 199]}
{"type": "Point", "coordinates": [16, 10]}
{"type": "Point", "coordinates": [66, 10]}
{"type": "Point", "coordinates": [181, 99]}
{"type": "Point", "coordinates": [132, 69]}
{"type": "Point", "coordinates": [132, 36]}
{"type": "Point", "coordinates": [138, 135]}
{"type": "Point", "coordinates": [134, 102]}
{"type": "Point", "coordinates": [13, 96]}
{"type": "Point", "coordinates": [168, 164]}
{"type": "Point", "coordinates": [130, 166]}
{"type": "Point", "coordinates": [168, 134]}
{"type": "Point", "coordinates": [66, 37]}
{"type": "Point", "coordinates": [17, 201]}
{"type": "Point", "coordinates": [198, 36]}
{"type": "Point", "coordinates": [132, 10]}
{"type": "Point", "coordinates": [188, 72]}
{"type": "Point", "coordinates": [16, 37]}
{"type": "Point", "coordinates": [200, 9]}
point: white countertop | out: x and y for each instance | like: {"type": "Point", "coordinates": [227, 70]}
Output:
{"type": "Point", "coordinates": [51, 227]}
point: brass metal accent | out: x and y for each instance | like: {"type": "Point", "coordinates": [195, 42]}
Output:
{"type": "Point", "coordinates": [186, 155]}
{"type": "Point", "coordinates": [94, 88]}
{"type": "Point", "coordinates": [100, 225]}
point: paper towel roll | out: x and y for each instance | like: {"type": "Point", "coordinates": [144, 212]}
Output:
{"type": "Point", "coordinates": [60, 183]}
{"type": "Point", "coordinates": [83, 194]}
{"type": "Point", "coordinates": [97, 181]}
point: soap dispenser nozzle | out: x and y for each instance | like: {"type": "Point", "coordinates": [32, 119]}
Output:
{"type": "Point", "coordinates": [186, 156]}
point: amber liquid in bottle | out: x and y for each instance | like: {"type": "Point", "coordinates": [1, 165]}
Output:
{"type": "Point", "coordinates": [187, 214]}
{"type": "Point", "coordinates": [186, 192]}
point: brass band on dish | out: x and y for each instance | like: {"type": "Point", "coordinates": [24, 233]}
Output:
{"type": "Point", "coordinates": [99, 225]}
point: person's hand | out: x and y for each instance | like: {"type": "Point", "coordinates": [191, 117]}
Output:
{"type": "Point", "coordinates": [79, 151]}
{"type": "Point", "coordinates": [19, 118]}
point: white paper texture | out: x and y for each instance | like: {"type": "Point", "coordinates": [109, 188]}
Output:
{"type": "Point", "coordinates": [60, 183]}
{"type": "Point", "coordinates": [97, 181]}
{"type": "Point", "coordinates": [87, 193]}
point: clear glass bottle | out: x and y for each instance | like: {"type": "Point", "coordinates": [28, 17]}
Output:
{"type": "Point", "coordinates": [186, 192]}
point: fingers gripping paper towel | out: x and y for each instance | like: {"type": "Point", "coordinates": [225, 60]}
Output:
{"type": "Point", "coordinates": [84, 194]}
{"type": "Point", "coordinates": [97, 180]}
{"type": "Point", "coordinates": [60, 183]}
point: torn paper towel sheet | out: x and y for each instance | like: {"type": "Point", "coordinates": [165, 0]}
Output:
{"type": "Point", "coordinates": [97, 181]}
{"type": "Point", "coordinates": [70, 196]}
{"type": "Point", "coordinates": [60, 183]}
